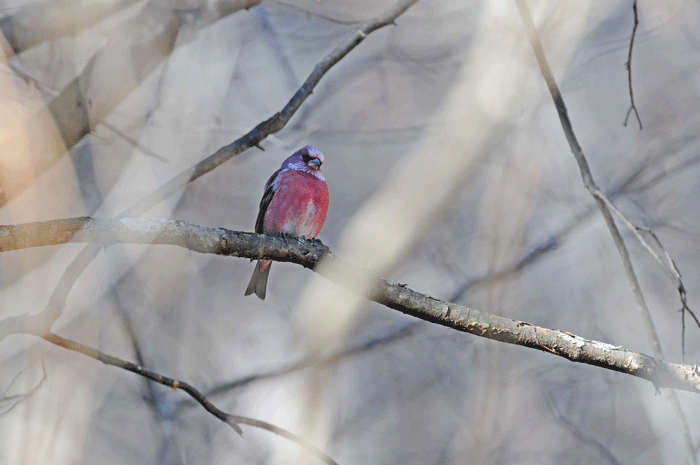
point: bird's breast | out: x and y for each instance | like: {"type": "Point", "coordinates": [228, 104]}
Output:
{"type": "Point", "coordinates": [299, 206]}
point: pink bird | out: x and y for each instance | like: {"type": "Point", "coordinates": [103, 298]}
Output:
{"type": "Point", "coordinates": [295, 203]}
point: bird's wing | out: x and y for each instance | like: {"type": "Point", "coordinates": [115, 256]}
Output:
{"type": "Point", "coordinates": [270, 189]}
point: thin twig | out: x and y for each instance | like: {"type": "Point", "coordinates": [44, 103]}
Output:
{"type": "Point", "coordinates": [628, 65]}
{"type": "Point", "coordinates": [681, 288]}
{"type": "Point", "coordinates": [605, 207]}
{"type": "Point", "coordinates": [13, 400]}
{"type": "Point", "coordinates": [308, 253]}
{"type": "Point", "coordinates": [286, 434]}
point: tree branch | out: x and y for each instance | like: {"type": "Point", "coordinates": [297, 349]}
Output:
{"type": "Point", "coordinates": [274, 123]}
{"type": "Point", "coordinates": [628, 65]}
{"type": "Point", "coordinates": [308, 254]}
{"type": "Point", "coordinates": [232, 420]}
{"type": "Point", "coordinates": [146, 373]}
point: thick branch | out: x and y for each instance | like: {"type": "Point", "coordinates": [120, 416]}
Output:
{"type": "Point", "coordinates": [308, 253]}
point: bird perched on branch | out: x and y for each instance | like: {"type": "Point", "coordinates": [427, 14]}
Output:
{"type": "Point", "coordinates": [295, 203]}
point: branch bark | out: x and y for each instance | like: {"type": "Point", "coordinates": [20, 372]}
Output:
{"type": "Point", "coordinates": [308, 254]}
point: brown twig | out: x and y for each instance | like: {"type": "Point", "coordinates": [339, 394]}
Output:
{"type": "Point", "coordinates": [286, 434]}
{"type": "Point", "coordinates": [308, 253]}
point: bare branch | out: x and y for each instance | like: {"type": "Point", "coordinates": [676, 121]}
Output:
{"type": "Point", "coordinates": [274, 123]}
{"type": "Point", "coordinates": [551, 243]}
{"type": "Point", "coordinates": [285, 434]}
{"type": "Point", "coordinates": [587, 176]}
{"type": "Point", "coordinates": [628, 65]}
{"type": "Point", "coordinates": [232, 420]}
{"type": "Point", "coordinates": [308, 254]}
{"type": "Point", "coordinates": [145, 372]}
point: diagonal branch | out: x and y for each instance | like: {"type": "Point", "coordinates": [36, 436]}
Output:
{"type": "Point", "coordinates": [308, 254]}
{"type": "Point", "coordinates": [232, 420]}
{"type": "Point", "coordinates": [285, 434]}
{"type": "Point", "coordinates": [274, 123]}
{"type": "Point", "coordinates": [146, 373]}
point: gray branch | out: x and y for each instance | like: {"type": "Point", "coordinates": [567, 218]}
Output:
{"type": "Point", "coordinates": [307, 254]}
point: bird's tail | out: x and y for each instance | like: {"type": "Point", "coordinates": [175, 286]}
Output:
{"type": "Point", "coordinates": [258, 282]}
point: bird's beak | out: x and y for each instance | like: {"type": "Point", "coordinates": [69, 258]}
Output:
{"type": "Point", "coordinates": [314, 163]}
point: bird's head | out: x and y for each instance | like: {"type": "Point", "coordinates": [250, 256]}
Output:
{"type": "Point", "coordinates": [305, 159]}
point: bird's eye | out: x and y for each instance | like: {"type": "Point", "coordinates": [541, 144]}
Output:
{"type": "Point", "coordinates": [306, 157]}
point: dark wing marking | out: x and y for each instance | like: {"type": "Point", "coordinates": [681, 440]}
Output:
{"type": "Point", "coordinates": [265, 202]}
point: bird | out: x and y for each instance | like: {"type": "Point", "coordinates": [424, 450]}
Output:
{"type": "Point", "coordinates": [295, 203]}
